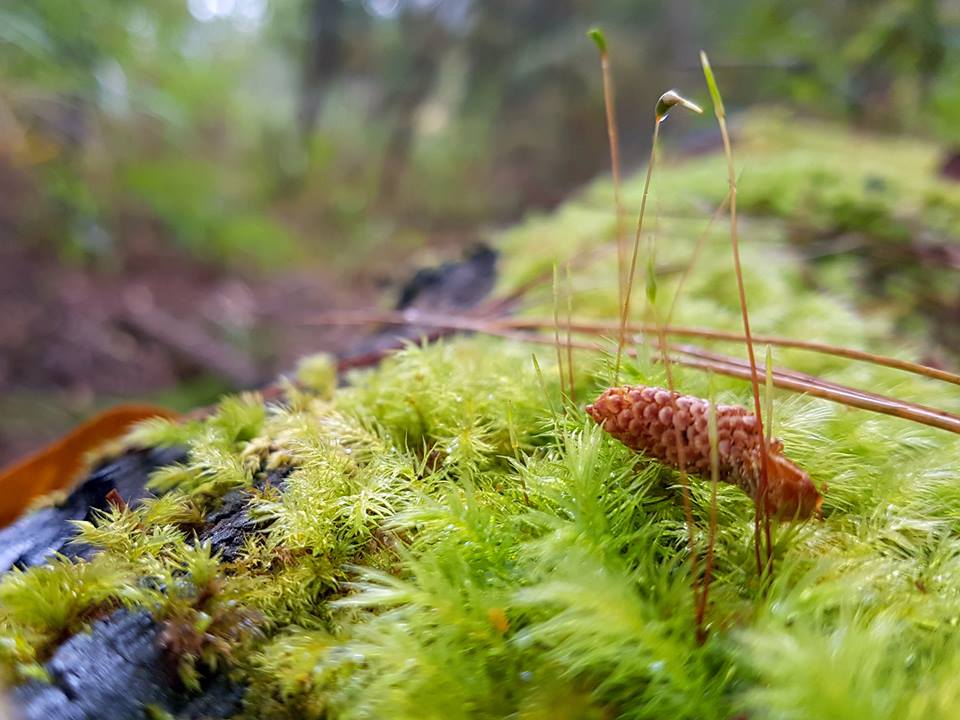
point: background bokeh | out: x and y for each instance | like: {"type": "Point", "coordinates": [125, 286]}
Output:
{"type": "Point", "coordinates": [183, 182]}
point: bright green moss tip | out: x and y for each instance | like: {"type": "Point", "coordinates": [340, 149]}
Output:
{"type": "Point", "coordinates": [599, 39]}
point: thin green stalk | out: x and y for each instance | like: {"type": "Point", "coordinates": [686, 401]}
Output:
{"type": "Point", "coordinates": [556, 332]}
{"type": "Point", "coordinates": [543, 386]}
{"type": "Point", "coordinates": [697, 250]}
{"type": "Point", "coordinates": [735, 246]}
{"type": "Point", "coordinates": [651, 294]}
{"type": "Point", "coordinates": [632, 268]}
{"type": "Point", "coordinates": [712, 434]}
{"type": "Point", "coordinates": [570, 372]}
{"type": "Point", "coordinates": [669, 100]}
{"type": "Point", "coordinates": [768, 414]}
{"type": "Point", "coordinates": [611, 117]}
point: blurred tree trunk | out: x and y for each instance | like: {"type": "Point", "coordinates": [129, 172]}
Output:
{"type": "Point", "coordinates": [323, 59]}
{"type": "Point", "coordinates": [411, 84]}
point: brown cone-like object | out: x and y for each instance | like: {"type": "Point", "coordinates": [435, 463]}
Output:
{"type": "Point", "coordinates": [649, 420]}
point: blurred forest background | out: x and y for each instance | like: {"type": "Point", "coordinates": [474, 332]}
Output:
{"type": "Point", "coordinates": [182, 182]}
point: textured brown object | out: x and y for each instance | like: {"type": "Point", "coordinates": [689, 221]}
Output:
{"type": "Point", "coordinates": [646, 419]}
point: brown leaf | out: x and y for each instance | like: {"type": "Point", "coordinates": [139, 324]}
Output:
{"type": "Point", "coordinates": [58, 465]}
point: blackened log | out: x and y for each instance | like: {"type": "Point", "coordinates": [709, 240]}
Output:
{"type": "Point", "coordinates": [116, 671]}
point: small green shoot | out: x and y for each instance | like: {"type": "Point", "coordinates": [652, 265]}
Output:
{"type": "Point", "coordinates": [599, 39]}
{"type": "Point", "coordinates": [609, 103]}
{"type": "Point", "coordinates": [760, 514]}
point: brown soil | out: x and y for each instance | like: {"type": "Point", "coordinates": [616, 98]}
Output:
{"type": "Point", "coordinates": [75, 338]}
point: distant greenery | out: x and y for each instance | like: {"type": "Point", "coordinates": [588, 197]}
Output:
{"type": "Point", "coordinates": [262, 132]}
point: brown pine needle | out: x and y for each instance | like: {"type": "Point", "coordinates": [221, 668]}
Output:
{"type": "Point", "coordinates": [692, 357]}
{"type": "Point", "coordinates": [597, 327]}
{"type": "Point", "coordinates": [810, 385]}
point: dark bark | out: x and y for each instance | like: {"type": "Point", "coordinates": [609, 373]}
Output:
{"type": "Point", "coordinates": [117, 670]}
{"type": "Point", "coordinates": [323, 59]}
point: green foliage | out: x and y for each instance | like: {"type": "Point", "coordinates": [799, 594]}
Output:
{"type": "Point", "coordinates": [187, 194]}
{"type": "Point", "coordinates": [228, 134]}
{"type": "Point", "coordinates": [183, 584]}
{"type": "Point", "coordinates": [466, 409]}
{"type": "Point", "coordinates": [348, 481]}
{"type": "Point", "coordinates": [162, 433]}
{"type": "Point", "coordinates": [52, 597]}
{"type": "Point", "coordinates": [288, 676]}
{"type": "Point", "coordinates": [318, 374]}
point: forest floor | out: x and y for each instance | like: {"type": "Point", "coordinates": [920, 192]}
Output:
{"type": "Point", "coordinates": [162, 327]}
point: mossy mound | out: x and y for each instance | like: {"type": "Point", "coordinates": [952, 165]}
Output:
{"type": "Point", "coordinates": [442, 537]}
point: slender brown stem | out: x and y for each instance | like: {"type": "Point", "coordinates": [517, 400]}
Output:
{"type": "Point", "coordinates": [720, 114]}
{"type": "Point", "coordinates": [678, 445]}
{"type": "Point", "coordinates": [611, 115]}
{"type": "Point", "coordinates": [745, 316]}
{"type": "Point", "coordinates": [570, 372]}
{"type": "Point", "coordinates": [684, 483]}
{"type": "Point", "coordinates": [631, 273]}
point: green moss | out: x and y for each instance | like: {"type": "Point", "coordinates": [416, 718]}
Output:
{"type": "Point", "coordinates": [43, 605]}
{"type": "Point", "coordinates": [446, 543]}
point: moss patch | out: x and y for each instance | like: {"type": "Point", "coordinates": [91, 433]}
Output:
{"type": "Point", "coordinates": [446, 543]}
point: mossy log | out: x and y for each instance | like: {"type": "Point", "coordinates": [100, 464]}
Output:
{"type": "Point", "coordinates": [121, 665]}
